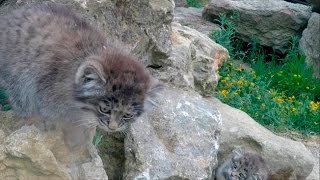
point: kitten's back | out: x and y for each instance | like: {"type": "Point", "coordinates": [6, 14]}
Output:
{"type": "Point", "coordinates": [42, 45]}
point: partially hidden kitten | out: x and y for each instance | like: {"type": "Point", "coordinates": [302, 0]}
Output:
{"type": "Point", "coordinates": [56, 66]}
{"type": "Point", "coordinates": [243, 165]}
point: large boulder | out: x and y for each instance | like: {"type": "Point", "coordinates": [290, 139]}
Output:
{"type": "Point", "coordinates": [178, 140]}
{"type": "Point", "coordinates": [271, 22]}
{"type": "Point", "coordinates": [194, 60]}
{"type": "Point", "coordinates": [29, 153]}
{"type": "Point", "coordinates": [286, 159]}
{"type": "Point", "coordinates": [192, 17]}
{"type": "Point", "coordinates": [310, 43]}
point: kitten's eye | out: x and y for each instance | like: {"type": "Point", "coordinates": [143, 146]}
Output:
{"type": "Point", "coordinates": [127, 116]}
{"type": "Point", "coordinates": [87, 79]}
{"type": "Point", "coordinates": [104, 110]}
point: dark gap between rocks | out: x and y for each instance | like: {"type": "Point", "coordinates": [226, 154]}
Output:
{"type": "Point", "coordinates": [111, 151]}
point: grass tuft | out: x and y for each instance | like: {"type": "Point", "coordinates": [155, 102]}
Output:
{"type": "Point", "coordinates": [4, 102]}
{"type": "Point", "coordinates": [195, 3]}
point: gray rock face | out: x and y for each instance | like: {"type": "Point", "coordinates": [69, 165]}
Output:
{"type": "Point", "coordinates": [178, 140]}
{"type": "Point", "coordinates": [271, 22]}
{"type": "Point", "coordinates": [29, 153]}
{"type": "Point", "coordinates": [310, 43]}
{"type": "Point", "coordinates": [286, 159]}
{"type": "Point", "coordinates": [192, 17]}
{"type": "Point", "coordinates": [194, 60]}
{"type": "Point", "coordinates": [180, 3]}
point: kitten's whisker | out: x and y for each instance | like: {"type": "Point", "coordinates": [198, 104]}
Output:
{"type": "Point", "coordinates": [86, 124]}
{"type": "Point", "coordinates": [154, 103]}
{"type": "Point", "coordinates": [83, 120]}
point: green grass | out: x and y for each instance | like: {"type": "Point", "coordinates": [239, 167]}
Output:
{"type": "Point", "coordinates": [195, 3]}
{"type": "Point", "coordinates": [4, 104]}
{"type": "Point", "coordinates": [279, 93]}
{"type": "Point", "coordinates": [98, 139]}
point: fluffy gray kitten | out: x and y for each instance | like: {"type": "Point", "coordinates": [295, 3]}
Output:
{"type": "Point", "coordinates": [243, 165]}
{"type": "Point", "coordinates": [55, 66]}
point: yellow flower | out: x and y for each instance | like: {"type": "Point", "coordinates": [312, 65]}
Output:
{"type": "Point", "coordinates": [239, 69]}
{"type": "Point", "coordinates": [291, 99]}
{"type": "Point", "coordinates": [294, 110]}
{"type": "Point", "coordinates": [235, 93]}
{"type": "Point", "coordinates": [240, 82]}
{"type": "Point", "coordinates": [224, 93]}
{"type": "Point", "coordinates": [314, 105]}
{"type": "Point", "coordinates": [280, 100]}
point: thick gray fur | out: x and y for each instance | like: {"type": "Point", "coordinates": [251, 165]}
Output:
{"type": "Point", "coordinates": [242, 165]}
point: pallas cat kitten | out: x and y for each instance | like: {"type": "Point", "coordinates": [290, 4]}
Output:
{"type": "Point", "coordinates": [56, 66]}
{"type": "Point", "coordinates": [242, 165]}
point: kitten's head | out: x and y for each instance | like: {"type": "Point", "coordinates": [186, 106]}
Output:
{"type": "Point", "coordinates": [245, 165]}
{"type": "Point", "coordinates": [117, 87]}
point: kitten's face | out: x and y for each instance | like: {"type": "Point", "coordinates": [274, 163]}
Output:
{"type": "Point", "coordinates": [237, 169]}
{"type": "Point", "coordinates": [113, 115]}
{"type": "Point", "coordinates": [245, 166]}
{"type": "Point", "coordinates": [116, 87]}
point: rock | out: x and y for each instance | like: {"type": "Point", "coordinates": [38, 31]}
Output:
{"type": "Point", "coordinates": [180, 3]}
{"type": "Point", "coordinates": [287, 159]}
{"type": "Point", "coordinates": [310, 43]}
{"type": "Point", "coordinates": [140, 27]}
{"type": "Point", "coordinates": [178, 140]}
{"type": "Point", "coordinates": [272, 23]}
{"type": "Point", "coordinates": [29, 153]}
{"type": "Point", "coordinates": [312, 143]}
{"type": "Point", "coordinates": [194, 60]}
{"type": "Point", "coordinates": [192, 17]}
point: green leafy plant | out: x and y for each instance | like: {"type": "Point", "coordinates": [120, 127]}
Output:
{"type": "Point", "coordinates": [98, 138]}
{"type": "Point", "coordinates": [226, 36]}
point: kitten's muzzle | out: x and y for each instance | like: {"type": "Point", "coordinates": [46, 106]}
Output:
{"type": "Point", "coordinates": [113, 125]}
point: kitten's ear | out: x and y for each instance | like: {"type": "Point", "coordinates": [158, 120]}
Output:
{"type": "Point", "coordinates": [154, 91]}
{"type": "Point", "coordinates": [90, 72]}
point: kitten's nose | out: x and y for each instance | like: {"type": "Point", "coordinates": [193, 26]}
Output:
{"type": "Point", "coordinates": [113, 125]}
